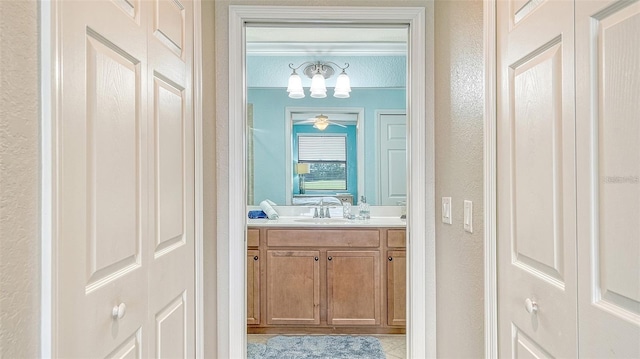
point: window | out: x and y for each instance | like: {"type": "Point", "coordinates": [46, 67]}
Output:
{"type": "Point", "coordinates": [327, 159]}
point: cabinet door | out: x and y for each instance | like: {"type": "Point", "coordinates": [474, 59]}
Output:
{"type": "Point", "coordinates": [253, 286]}
{"type": "Point", "coordinates": [396, 288]}
{"type": "Point", "coordinates": [293, 287]}
{"type": "Point", "coordinates": [353, 287]}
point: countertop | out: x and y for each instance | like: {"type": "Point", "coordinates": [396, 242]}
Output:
{"type": "Point", "coordinates": [393, 222]}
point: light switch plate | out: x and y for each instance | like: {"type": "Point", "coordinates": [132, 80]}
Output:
{"type": "Point", "coordinates": [446, 210]}
{"type": "Point", "coordinates": [468, 216]}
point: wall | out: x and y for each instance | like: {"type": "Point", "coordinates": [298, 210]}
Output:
{"type": "Point", "coordinates": [459, 103]}
{"type": "Point", "coordinates": [458, 170]}
{"type": "Point", "coordinates": [19, 181]}
{"type": "Point", "coordinates": [459, 175]}
{"type": "Point", "coordinates": [269, 141]}
{"type": "Point", "coordinates": [209, 178]}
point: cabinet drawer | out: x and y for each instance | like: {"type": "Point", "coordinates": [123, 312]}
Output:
{"type": "Point", "coordinates": [253, 237]}
{"type": "Point", "coordinates": [323, 238]}
{"type": "Point", "coordinates": [397, 238]}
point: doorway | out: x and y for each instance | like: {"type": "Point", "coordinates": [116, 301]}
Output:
{"type": "Point", "coordinates": [420, 120]}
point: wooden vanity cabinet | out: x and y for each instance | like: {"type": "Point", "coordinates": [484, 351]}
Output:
{"type": "Point", "coordinates": [293, 287]}
{"type": "Point", "coordinates": [396, 278]}
{"type": "Point", "coordinates": [396, 288]}
{"type": "Point", "coordinates": [327, 280]}
{"type": "Point", "coordinates": [253, 277]}
{"type": "Point", "coordinates": [353, 287]}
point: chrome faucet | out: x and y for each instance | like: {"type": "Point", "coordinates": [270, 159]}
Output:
{"type": "Point", "coordinates": [323, 213]}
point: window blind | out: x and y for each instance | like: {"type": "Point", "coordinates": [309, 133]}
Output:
{"type": "Point", "coordinates": [322, 148]}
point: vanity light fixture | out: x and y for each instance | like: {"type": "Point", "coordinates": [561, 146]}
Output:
{"type": "Point", "coordinates": [318, 72]}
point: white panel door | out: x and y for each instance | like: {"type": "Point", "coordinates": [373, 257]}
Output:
{"type": "Point", "coordinates": [107, 216]}
{"type": "Point", "coordinates": [171, 249]}
{"type": "Point", "coordinates": [392, 158]}
{"type": "Point", "coordinates": [102, 198]}
{"type": "Point", "coordinates": [608, 143]}
{"type": "Point", "coordinates": [536, 180]}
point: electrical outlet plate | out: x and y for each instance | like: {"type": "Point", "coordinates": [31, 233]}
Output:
{"type": "Point", "coordinates": [446, 210]}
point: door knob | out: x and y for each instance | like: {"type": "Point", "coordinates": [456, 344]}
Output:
{"type": "Point", "coordinates": [531, 306]}
{"type": "Point", "coordinates": [119, 311]}
{"type": "Point", "coordinates": [255, 258]}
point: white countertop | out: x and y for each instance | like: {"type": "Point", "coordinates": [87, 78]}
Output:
{"type": "Point", "coordinates": [301, 221]}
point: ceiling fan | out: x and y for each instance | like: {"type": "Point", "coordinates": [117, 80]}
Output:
{"type": "Point", "coordinates": [321, 122]}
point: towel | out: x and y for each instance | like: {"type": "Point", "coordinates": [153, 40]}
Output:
{"type": "Point", "coordinates": [266, 207]}
{"type": "Point", "coordinates": [257, 214]}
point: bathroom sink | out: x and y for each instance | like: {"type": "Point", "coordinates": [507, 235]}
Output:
{"type": "Point", "coordinates": [322, 220]}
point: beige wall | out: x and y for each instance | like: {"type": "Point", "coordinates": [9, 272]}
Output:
{"type": "Point", "coordinates": [209, 176]}
{"type": "Point", "coordinates": [459, 98]}
{"type": "Point", "coordinates": [19, 181]}
{"type": "Point", "coordinates": [459, 175]}
{"type": "Point", "coordinates": [459, 131]}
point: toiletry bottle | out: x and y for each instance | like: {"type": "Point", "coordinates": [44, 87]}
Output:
{"type": "Point", "coordinates": [364, 208]}
{"type": "Point", "coordinates": [346, 210]}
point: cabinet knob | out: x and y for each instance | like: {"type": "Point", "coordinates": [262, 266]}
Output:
{"type": "Point", "coordinates": [531, 306]}
{"type": "Point", "coordinates": [390, 259]}
{"type": "Point", "coordinates": [316, 258]}
{"type": "Point", "coordinates": [330, 258]}
{"type": "Point", "coordinates": [119, 311]}
{"type": "Point", "coordinates": [255, 258]}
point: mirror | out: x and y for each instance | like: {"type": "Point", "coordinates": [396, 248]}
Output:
{"type": "Point", "coordinates": [291, 155]}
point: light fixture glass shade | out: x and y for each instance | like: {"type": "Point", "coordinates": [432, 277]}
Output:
{"type": "Point", "coordinates": [302, 168]}
{"type": "Point", "coordinates": [318, 87]}
{"type": "Point", "coordinates": [343, 86]}
{"type": "Point", "coordinates": [294, 87]}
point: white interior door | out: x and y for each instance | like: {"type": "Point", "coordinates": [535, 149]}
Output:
{"type": "Point", "coordinates": [171, 249]}
{"type": "Point", "coordinates": [536, 180]}
{"type": "Point", "coordinates": [392, 158]}
{"type": "Point", "coordinates": [117, 256]}
{"type": "Point", "coordinates": [608, 125]}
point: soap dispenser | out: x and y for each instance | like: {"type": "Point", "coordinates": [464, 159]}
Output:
{"type": "Point", "coordinates": [364, 212]}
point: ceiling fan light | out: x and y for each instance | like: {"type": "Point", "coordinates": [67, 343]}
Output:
{"type": "Point", "coordinates": [321, 125]}
{"type": "Point", "coordinates": [343, 86]}
{"type": "Point", "coordinates": [318, 87]}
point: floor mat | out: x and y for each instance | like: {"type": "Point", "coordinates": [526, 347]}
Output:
{"type": "Point", "coordinates": [317, 346]}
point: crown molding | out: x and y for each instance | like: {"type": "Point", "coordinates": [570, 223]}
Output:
{"type": "Point", "coordinates": [326, 49]}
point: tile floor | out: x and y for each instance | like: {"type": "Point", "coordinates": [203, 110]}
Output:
{"type": "Point", "coordinates": [394, 345]}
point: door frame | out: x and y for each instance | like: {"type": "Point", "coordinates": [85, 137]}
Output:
{"type": "Point", "coordinates": [490, 175]}
{"type": "Point", "coordinates": [421, 298]}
